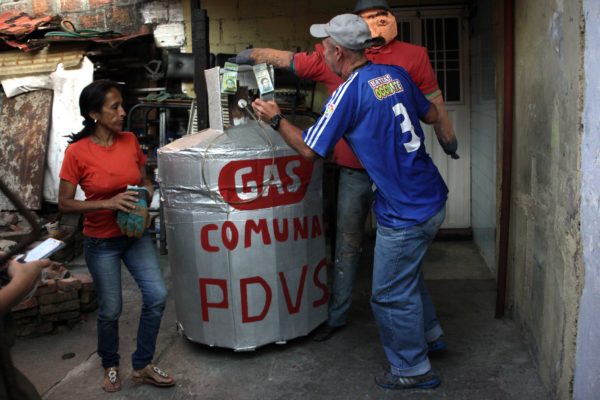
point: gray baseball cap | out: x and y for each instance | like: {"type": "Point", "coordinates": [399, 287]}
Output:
{"type": "Point", "coordinates": [348, 30]}
{"type": "Point", "coordinates": [362, 5]}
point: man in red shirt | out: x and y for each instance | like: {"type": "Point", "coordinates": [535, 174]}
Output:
{"type": "Point", "coordinates": [354, 191]}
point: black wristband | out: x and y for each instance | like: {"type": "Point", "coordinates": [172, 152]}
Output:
{"type": "Point", "coordinates": [275, 121]}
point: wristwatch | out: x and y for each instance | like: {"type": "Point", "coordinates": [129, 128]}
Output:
{"type": "Point", "coordinates": [275, 121]}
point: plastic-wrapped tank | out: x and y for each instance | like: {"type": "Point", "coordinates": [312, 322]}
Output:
{"type": "Point", "coordinates": [243, 217]}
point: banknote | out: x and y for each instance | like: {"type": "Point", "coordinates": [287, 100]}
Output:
{"type": "Point", "coordinates": [229, 79]}
{"type": "Point", "coordinates": [263, 79]}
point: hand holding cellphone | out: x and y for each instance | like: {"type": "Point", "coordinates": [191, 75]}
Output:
{"type": "Point", "coordinates": [42, 250]}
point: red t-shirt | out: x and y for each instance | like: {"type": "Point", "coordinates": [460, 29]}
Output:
{"type": "Point", "coordinates": [414, 59]}
{"type": "Point", "coordinates": [311, 65]}
{"type": "Point", "coordinates": [103, 172]}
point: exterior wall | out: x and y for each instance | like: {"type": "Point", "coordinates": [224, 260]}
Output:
{"type": "Point", "coordinates": [545, 256]}
{"type": "Point", "coordinates": [587, 385]}
{"type": "Point", "coordinates": [279, 24]}
{"type": "Point", "coordinates": [235, 25]}
{"type": "Point", "coordinates": [483, 131]}
{"type": "Point", "coordinates": [125, 16]}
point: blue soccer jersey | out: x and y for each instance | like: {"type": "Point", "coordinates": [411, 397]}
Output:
{"type": "Point", "coordinates": [377, 109]}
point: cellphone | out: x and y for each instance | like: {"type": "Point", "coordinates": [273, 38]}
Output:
{"type": "Point", "coordinates": [42, 250]}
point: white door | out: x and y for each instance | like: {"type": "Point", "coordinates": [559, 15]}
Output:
{"type": "Point", "coordinates": [443, 31]}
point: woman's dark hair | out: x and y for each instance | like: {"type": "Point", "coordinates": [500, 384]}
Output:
{"type": "Point", "coordinates": [92, 99]}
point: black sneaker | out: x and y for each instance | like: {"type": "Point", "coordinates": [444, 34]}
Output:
{"type": "Point", "coordinates": [437, 345]}
{"type": "Point", "coordinates": [388, 380]}
{"type": "Point", "coordinates": [324, 333]}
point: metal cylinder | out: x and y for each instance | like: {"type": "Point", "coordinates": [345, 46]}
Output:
{"type": "Point", "coordinates": [243, 217]}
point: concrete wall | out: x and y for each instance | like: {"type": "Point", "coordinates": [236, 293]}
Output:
{"type": "Point", "coordinates": [587, 385]}
{"type": "Point", "coordinates": [483, 130]}
{"type": "Point", "coordinates": [280, 24]}
{"type": "Point", "coordinates": [545, 256]}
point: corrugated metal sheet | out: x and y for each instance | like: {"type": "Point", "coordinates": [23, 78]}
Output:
{"type": "Point", "coordinates": [24, 127]}
{"type": "Point", "coordinates": [19, 24]}
{"type": "Point", "coordinates": [16, 63]}
{"type": "Point", "coordinates": [17, 27]}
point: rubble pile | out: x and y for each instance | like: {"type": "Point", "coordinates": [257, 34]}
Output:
{"type": "Point", "coordinates": [60, 298]}
{"type": "Point", "coordinates": [13, 227]}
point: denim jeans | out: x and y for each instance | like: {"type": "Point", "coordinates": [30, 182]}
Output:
{"type": "Point", "coordinates": [354, 201]}
{"type": "Point", "coordinates": [403, 309]}
{"type": "Point", "coordinates": [103, 258]}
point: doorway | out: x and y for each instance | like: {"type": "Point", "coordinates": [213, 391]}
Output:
{"type": "Point", "coordinates": [444, 32]}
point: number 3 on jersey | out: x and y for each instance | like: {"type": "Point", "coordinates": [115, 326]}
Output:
{"type": "Point", "coordinates": [407, 126]}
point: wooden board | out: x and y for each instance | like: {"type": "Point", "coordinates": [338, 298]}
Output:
{"type": "Point", "coordinates": [24, 127]}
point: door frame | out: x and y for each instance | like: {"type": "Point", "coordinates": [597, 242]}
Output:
{"type": "Point", "coordinates": [457, 217]}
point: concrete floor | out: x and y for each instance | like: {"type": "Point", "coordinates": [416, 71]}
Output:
{"type": "Point", "coordinates": [486, 359]}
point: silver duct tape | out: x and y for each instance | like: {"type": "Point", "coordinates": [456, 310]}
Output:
{"type": "Point", "coordinates": [246, 237]}
{"type": "Point", "coordinates": [189, 168]}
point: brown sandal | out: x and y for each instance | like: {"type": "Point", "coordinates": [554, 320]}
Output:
{"type": "Point", "coordinates": [111, 382]}
{"type": "Point", "coordinates": [153, 375]}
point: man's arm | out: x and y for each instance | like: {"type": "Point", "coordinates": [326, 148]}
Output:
{"type": "Point", "coordinates": [424, 76]}
{"type": "Point", "coordinates": [306, 65]}
{"type": "Point", "coordinates": [277, 58]}
{"type": "Point", "coordinates": [292, 135]}
{"type": "Point", "coordinates": [432, 115]}
{"type": "Point", "coordinates": [443, 128]}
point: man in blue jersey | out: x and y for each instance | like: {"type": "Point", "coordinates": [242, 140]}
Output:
{"type": "Point", "coordinates": [377, 109]}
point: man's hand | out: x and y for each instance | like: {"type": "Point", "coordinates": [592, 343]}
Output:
{"type": "Point", "coordinates": [444, 131]}
{"type": "Point", "coordinates": [243, 57]}
{"type": "Point", "coordinates": [265, 109]}
{"type": "Point", "coordinates": [450, 148]}
{"type": "Point", "coordinates": [292, 135]}
{"type": "Point", "coordinates": [277, 58]}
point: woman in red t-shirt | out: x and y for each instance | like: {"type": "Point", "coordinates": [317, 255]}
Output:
{"type": "Point", "coordinates": [103, 160]}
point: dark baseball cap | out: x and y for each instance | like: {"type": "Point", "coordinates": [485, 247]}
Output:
{"type": "Point", "coordinates": [362, 5]}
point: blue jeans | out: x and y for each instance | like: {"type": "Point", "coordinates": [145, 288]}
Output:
{"type": "Point", "coordinates": [103, 258]}
{"type": "Point", "coordinates": [354, 202]}
{"type": "Point", "coordinates": [403, 309]}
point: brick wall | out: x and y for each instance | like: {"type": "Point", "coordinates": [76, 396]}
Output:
{"type": "Point", "coordinates": [236, 24]}
{"type": "Point", "coordinates": [125, 16]}
{"type": "Point", "coordinates": [280, 24]}
{"type": "Point", "coordinates": [55, 302]}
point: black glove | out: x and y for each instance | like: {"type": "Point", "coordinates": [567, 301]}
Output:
{"type": "Point", "coordinates": [450, 148]}
{"type": "Point", "coordinates": [243, 57]}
